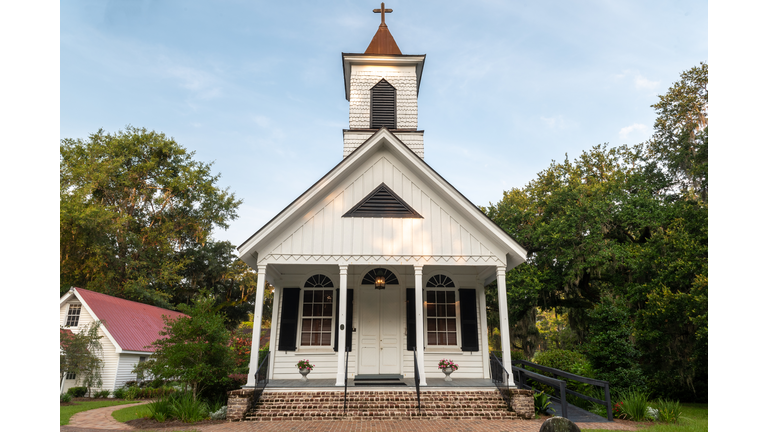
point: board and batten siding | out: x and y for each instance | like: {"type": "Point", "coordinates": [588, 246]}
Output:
{"type": "Point", "coordinates": [324, 359]}
{"type": "Point", "coordinates": [441, 232]}
{"type": "Point", "coordinates": [471, 364]}
{"type": "Point", "coordinates": [109, 350]}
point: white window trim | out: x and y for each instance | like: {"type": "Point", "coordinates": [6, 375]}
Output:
{"type": "Point", "coordinates": [315, 348]}
{"type": "Point", "coordinates": [443, 348]}
{"type": "Point", "coordinates": [79, 316]}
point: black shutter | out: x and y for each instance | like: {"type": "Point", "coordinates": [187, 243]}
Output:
{"type": "Point", "coordinates": [289, 317]}
{"type": "Point", "coordinates": [383, 105]}
{"type": "Point", "coordinates": [350, 298]}
{"type": "Point", "coordinates": [410, 329]}
{"type": "Point", "coordinates": [468, 305]}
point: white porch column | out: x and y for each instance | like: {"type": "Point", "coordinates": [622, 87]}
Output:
{"type": "Point", "coordinates": [501, 282]}
{"type": "Point", "coordinates": [341, 324]}
{"type": "Point", "coordinates": [253, 366]}
{"type": "Point", "coordinates": [273, 329]}
{"type": "Point", "coordinates": [419, 300]}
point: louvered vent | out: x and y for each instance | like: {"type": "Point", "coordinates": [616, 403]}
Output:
{"type": "Point", "coordinates": [382, 203]}
{"type": "Point", "coordinates": [383, 105]}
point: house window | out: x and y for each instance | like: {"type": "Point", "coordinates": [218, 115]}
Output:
{"type": "Point", "coordinates": [441, 312]}
{"type": "Point", "coordinates": [71, 375]}
{"type": "Point", "coordinates": [73, 316]}
{"type": "Point", "coordinates": [140, 375]}
{"type": "Point", "coordinates": [317, 312]}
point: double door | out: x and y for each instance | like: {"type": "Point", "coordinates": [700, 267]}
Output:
{"type": "Point", "coordinates": [380, 330]}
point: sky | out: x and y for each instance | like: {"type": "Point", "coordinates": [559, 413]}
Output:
{"type": "Point", "coordinates": [257, 87]}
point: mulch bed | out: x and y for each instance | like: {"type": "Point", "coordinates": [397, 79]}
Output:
{"type": "Point", "coordinates": [145, 423]}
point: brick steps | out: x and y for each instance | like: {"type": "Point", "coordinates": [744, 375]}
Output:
{"type": "Point", "coordinates": [379, 405]}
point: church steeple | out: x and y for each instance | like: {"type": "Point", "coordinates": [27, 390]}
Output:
{"type": "Point", "coordinates": [383, 42]}
{"type": "Point", "coordinates": [382, 87]}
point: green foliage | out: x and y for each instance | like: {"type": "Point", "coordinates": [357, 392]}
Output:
{"type": "Point", "coordinates": [669, 411]}
{"type": "Point", "coordinates": [65, 397]}
{"type": "Point", "coordinates": [81, 353]}
{"type": "Point", "coordinates": [633, 405]}
{"type": "Point", "coordinates": [622, 229]}
{"type": "Point", "coordinates": [77, 391]}
{"type": "Point", "coordinates": [119, 393]}
{"type": "Point", "coordinates": [101, 394]}
{"type": "Point", "coordinates": [136, 217]}
{"type": "Point", "coordinates": [132, 393]}
{"type": "Point", "coordinates": [194, 349]}
{"type": "Point", "coordinates": [681, 137]}
{"type": "Point", "coordinates": [568, 361]}
{"type": "Point", "coordinates": [181, 405]}
{"type": "Point", "coordinates": [541, 402]}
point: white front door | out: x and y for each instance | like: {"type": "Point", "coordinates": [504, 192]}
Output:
{"type": "Point", "coordinates": [380, 331]}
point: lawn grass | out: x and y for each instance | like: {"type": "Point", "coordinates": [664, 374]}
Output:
{"type": "Point", "coordinates": [66, 412]}
{"type": "Point", "coordinates": [131, 413]}
{"type": "Point", "coordinates": [693, 419]}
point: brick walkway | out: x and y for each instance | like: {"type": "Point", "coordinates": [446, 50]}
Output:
{"type": "Point", "coordinates": [101, 419]}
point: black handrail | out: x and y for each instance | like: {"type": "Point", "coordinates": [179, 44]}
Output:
{"type": "Point", "coordinates": [417, 377]}
{"type": "Point", "coordinates": [346, 374]}
{"type": "Point", "coordinates": [262, 378]}
{"type": "Point", "coordinates": [500, 377]}
{"type": "Point", "coordinates": [524, 374]}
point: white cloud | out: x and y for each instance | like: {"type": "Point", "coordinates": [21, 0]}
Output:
{"type": "Point", "coordinates": [636, 127]}
{"type": "Point", "coordinates": [643, 83]}
{"type": "Point", "coordinates": [558, 122]}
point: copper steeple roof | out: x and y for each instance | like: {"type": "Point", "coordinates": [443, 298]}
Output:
{"type": "Point", "coordinates": [383, 42]}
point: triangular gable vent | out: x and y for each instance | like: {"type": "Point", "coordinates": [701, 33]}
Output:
{"type": "Point", "coordinates": [382, 203]}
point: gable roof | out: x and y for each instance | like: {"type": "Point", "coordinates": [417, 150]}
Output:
{"type": "Point", "coordinates": [133, 326]}
{"type": "Point", "coordinates": [249, 250]}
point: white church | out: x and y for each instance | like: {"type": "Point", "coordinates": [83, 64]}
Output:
{"type": "Point", "coordinates": [381, 257]}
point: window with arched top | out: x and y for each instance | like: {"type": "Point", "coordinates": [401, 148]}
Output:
{"type": "Point", "coordinates": [442, 329]}
{"type": "Point", "coordinates": [440, 281]}
{"type": "Point", "coordinates": [383, 105]}
{"type": "Point", "coordinates": [389, 277]}
{"type": "Point", "coordinates": [317, 311]}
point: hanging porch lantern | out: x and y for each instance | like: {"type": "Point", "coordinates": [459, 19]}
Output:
{"type": "Point", "coordinates": [380, 283]}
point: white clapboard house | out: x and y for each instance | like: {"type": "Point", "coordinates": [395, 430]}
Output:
{"type": "Point", "coordinates": [382, 256]}
{"type": "Point", "coordinates": [127, 330]}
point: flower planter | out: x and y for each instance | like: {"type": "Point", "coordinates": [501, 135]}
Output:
{"type": "Point", "coordinates": [448, 371]}
{"type": "Point", "coordinates": [304, 372]}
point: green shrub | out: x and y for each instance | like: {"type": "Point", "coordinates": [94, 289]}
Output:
{"type": "Point", "coordinates": [669, 411]}
{"type": "Point", "coordinates": [541, 402]}
{"type": "Point", "coordinates": [119, 393]}
{"type": "Point", "coordinates": [185, 408]}
{"type": "Point", "coordinates": [77, 391]}
{"type": "Point", "coordinates": [633, 405]}
{"type": "Point", "coordinates": [160, 409]}
{"type": "Point", "coordinates": [132, 393]}
{"type": "Point", "coordinates": [65, 397]}
{"type": "Point", "coordinates": [568, 361]}
{"type": "Point", "coordinates": [101, 394]}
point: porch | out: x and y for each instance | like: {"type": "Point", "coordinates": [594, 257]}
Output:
{"type": "Point", "coordinates": [402, 383]}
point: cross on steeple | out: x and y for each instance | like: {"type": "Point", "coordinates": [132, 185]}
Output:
{"type": "Point", "coordinates": [382, 11]}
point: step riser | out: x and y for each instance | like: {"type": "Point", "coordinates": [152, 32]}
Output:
{"type": "Point", "coordinates": [379, 405]}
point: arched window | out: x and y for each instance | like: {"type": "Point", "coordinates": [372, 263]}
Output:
{"type": "Point", "coordinates": [317, 311]}
{"type": "Point", "coordinates": [440, 281]}
{"type": "Point", "coordinates": [389, 277]}
{"type": "Point", "coordinates": [318, 281]}
{"type": "Point", "coordinates": [383, 106]}
{"type": "Point", "coordinates": [442, 329]}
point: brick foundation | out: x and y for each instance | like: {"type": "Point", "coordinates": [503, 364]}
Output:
{"type": "Point", "coordinates": [238, 403]}
{"type": "Point", "coordinates": [522, 403]}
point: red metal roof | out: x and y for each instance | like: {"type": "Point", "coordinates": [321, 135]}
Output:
{"type": "Point", "coordinates": [133, 325]}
